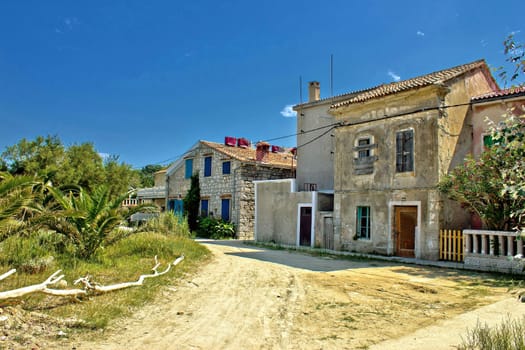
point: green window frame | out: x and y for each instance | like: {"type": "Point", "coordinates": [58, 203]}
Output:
{"type": "Point", "coordinates": [363, 222]}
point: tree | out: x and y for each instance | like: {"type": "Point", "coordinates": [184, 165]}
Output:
{"type": "Point", "coordinates": [191, 203]}
{"type": "Point", "coordinates": [82, 166]}
{"type": "Point", "coordinates": [16, 195]}
{"type": "Point", "coordinates": [79, 164]}
{"type": "Point", "coordinates": [120, 177]}
{"type": "Point", "coordinates": [42, 156]}
{"type": "Point", "coordinates": [89, 220]}
{"type": "Point", "coordinates": [494, 186]}
{"type": "Point", "coordinates": [147, 175]}
{"type": "Point", "coordinates": [515, 55]}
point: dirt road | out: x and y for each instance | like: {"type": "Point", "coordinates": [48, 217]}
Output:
{"type": "Point", "coordinates": [253, 298]}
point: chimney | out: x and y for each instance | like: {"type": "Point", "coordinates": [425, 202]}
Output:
{"type": "Point", "coordinates": [314, 91]}
{"type": "Point", "coordinates": [262, 151]}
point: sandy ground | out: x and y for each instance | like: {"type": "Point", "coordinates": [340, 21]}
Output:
{"type": "Point", "coordinates": [253, 298]}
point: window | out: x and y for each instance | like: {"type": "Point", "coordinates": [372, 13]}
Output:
{"type": "Point", "coordinates": [364, 157]}
{"type": "Point", "coordinates": [487, 141]}
{"type": "Point", "coordinates": [226, 167]}
{"type": "Point", "coordinates": [207, 166]}
{"type": "Point", "coordinates": [363, 223]}
{"type": "Point", "coordinates": [363, 152]}
{"type": "Point", "coordinates": [405, 151]}
{"type": "Point", "coordinates": [225, 209]}
{"type": "Point", "coordinates": [189, 168]}
{"type": "Point", "coordinates": [204, 207]}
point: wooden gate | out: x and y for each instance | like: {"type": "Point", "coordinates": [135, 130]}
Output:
{"type": "Point", "coordinates": [451, 245]}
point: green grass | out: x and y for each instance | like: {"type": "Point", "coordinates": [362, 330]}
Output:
{"type": "Point", "coordinates": [124, 261]}
{"type": "Point", "coordinates": [509, 335]}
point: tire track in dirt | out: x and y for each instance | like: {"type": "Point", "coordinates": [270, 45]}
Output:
{"type": "Point", "coordinates": [252, 298]}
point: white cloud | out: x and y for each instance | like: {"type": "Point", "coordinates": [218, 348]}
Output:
{"type": "Point", "coordinates": [420, 33]}
{"type": "Point", "coordinates": [70, 22]}
{"type": "Point", "coordinates": [288, 112]}
{"type": "Point", "coordinates": [394, 76]}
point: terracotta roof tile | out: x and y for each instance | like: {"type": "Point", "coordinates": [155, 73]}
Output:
{"type": "Point", "coordinates": [404, 85]}
{"type": "Point", "coordinates": [280, 160]}
{"type": "Point", "coordinates": [510, 92]}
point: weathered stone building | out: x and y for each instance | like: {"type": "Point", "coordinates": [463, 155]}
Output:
{"type": "Point", "coordinates": [226, 174]}
{"type": "Point", "coordinates": [395, 144]}
{"type": "Point", "coordinates": [386, 147]}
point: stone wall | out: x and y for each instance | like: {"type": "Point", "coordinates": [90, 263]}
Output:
{"type": "Point", "coordinates": [246, 194]}
{"type": "Point", "coordinates": [236, 186]}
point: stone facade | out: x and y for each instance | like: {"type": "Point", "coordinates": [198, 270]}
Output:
{"type": "Point", "coordinates": [236, 186]}
{"type": "Point", "coordinates": [403, 202]}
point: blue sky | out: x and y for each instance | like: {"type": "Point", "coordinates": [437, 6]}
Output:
{"type": "Point", "coordinates": [146, 79]}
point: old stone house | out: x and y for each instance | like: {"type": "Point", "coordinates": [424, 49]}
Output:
{"type": "Point", "coordinates": [226, 174]}
{"type": "Point", "coordinates": [396, 142]}
{"type": "Point", "coordinates": [390, 145]}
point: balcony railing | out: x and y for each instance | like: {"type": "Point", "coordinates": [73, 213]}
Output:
{"type": "Point", "coordinates": [493, 251]}
{"type": "Point", "coordinates": [492, 243]}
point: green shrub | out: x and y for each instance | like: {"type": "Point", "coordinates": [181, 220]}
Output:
{"type": "Point", "coordinates": [167, 223]}
{"type": "Point", "coordinates": [146, 244]}
{"type": "Point", "coordinates": [509, 335]}
{"type": "Point", "coordinates": [215, 228]}
{"type": "Point", "coordinates": [32, 254]}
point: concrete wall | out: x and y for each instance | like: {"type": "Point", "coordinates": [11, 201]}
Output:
{"type": "Point", "coordinates": [276, 211]}
{"type": "Point", "coordinates": [315, 160]}
{"type": "Point", "coordinates": [492, 111]}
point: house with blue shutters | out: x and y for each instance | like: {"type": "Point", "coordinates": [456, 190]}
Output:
{"type": "Point", "coordinates": [226, 174]}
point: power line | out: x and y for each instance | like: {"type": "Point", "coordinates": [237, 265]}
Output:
{"type": "Point", "coordinates": [338, 124]}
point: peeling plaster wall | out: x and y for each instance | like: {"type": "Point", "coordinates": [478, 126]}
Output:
{"type": "Point", "coordinates": [276, 211]}
{"type": "Point", "coordinates": [442, 138]}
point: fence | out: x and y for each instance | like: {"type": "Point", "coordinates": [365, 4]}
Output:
{"type": "Point", "coordinates": [451, 245]}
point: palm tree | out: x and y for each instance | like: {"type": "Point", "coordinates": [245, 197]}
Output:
{"type": "Point", "coordinates": [89, 220]}
{"type": "Point", "coordinates": [16, 199]}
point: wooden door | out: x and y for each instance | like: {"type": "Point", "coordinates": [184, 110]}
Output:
{"type": "Point", "coordinates": [305, 228]}
{"type": "Point", "coordinates": [405, 231]}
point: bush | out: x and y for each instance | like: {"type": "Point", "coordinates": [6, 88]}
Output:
{"type": "Point", "coordinates": [509, 335]}
{"type": "Point", "coordinates": [32, 254]}
{"type": "Point", "coordinates": [215, 228]}
{"type": "Point", "coordinates": [167, 223]}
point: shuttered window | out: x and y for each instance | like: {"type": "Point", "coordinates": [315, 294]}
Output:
{"type": "Point", "coordinates": [226, 167]}
{"type": "Point", "coordinates": [189, 168]}
{"type": "Point", "coordinates": [204, 207]}
{"type": "Point", "coordinates": [405, 151]}
{"type": "Point", "coordinates": [363, 223]}
{"type": "Point", "coordinates": [207, 166]}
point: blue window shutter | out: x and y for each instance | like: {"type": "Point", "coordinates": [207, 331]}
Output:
{"type": "Point", "coordinates": [204, 207]}
{"type": "Point", "coordinates": [226, 167]}
{"type": "Point", "coordinates": [207, 166]}
{"type": "Point", "coordinates": [225, 209]}
{"type": "Point", "coordinates": [189, 168]}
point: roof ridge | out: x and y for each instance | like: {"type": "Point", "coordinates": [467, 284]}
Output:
{"type": "Point", "coordinates": [435, 77]}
